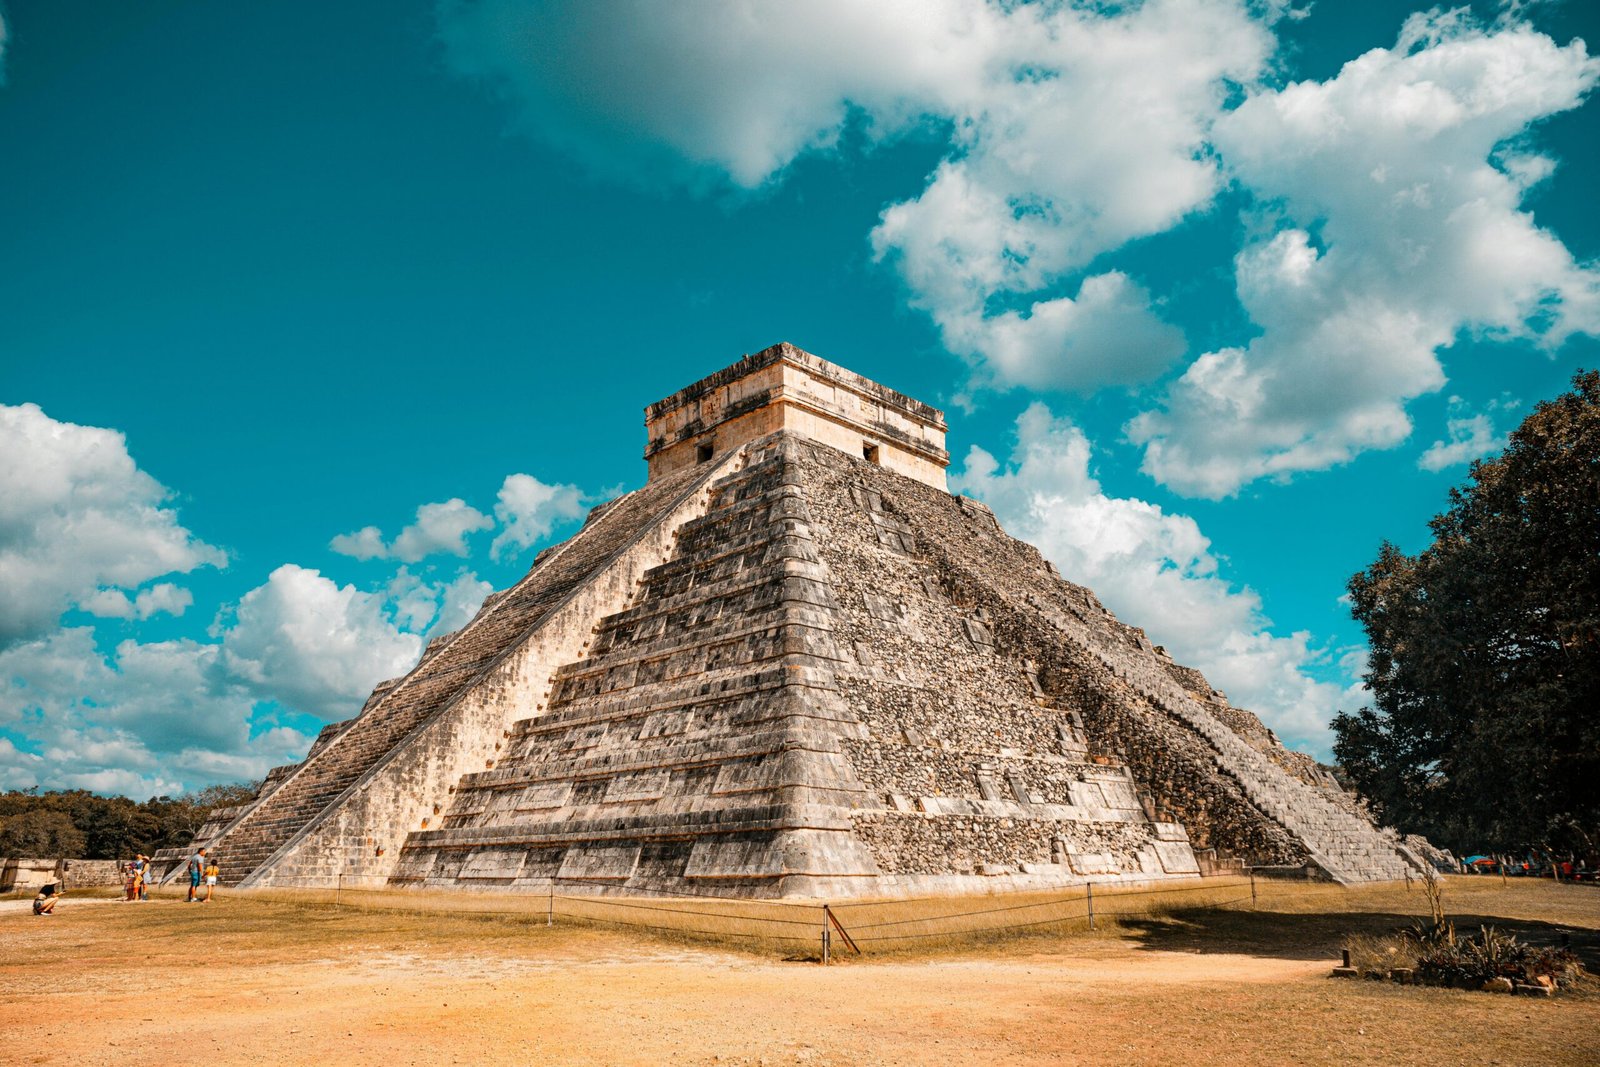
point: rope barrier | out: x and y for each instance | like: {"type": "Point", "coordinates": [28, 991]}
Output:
{"type": "Point", "coordinates": [688, 930]}
{"type": "Point", "coordinates": [1110, 892]}
{"type": "Point", "coordinates": [965, 914]}
{"type": "Point", "coordinates": [684, 911]}
{"type": "Point", "coordinates": [757, 927]}
{"type": "Point", "coordinates": [1213, 904]}
{"type": "Point", "coordinates": [687, 893]}
{"type": "Point", "coordinates": [975, 930]}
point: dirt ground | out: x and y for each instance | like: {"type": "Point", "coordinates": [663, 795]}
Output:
{"type": "Point", "coordinates": [252, 980]}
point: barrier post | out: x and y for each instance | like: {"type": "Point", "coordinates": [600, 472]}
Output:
{"type": "Point", "coordinates": [1089, 894]}
{"type": "Point", "coordinates": [550, 911]}
{"type": "Point", "coordinates": [827, 944]}
{"type": "Point", "coordinates": [1252, 887]}
{"type": "Point", "coordinates": [338, 889]}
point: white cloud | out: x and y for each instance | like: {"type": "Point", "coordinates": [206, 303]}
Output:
{"type": "Point", "coordinates": [1088, 130]}
{"type": "Point", "coordinates": [1390, 230]}
{"type": "Point", "coordinates": [1469, 436]}
{"type": "Point", "coordinates": [1106, 333]}
{"type": "Point", "coordinates": [161, 598]}
{"type": "Point", "coordinates": [431, 608]}
{"type": "Point", "coordinates": [529, 510]}
{"type": "Point", "coordinates": [145, 720]}
{"type": "Point", "coordinates": [1388, 216]}
{"type": "Point", "coordinates": [439, 529]}
{"type": "Point", "coordinates": [365, 543]}
{"type": "Point", "coordinates": [311, 644]}
{"type": "Point", "coordinates": [1155, 570]}
{"type": "Point", "coordinates": [79, 522]}
{"type": "Point", "coordinates": [1074, 129]}
{"type": "Point", "coordinates": [459, 601]}
{"type": "Point", "coordinates": [634, 87]}
{"type": "Point", "coordinates": [160, 717]}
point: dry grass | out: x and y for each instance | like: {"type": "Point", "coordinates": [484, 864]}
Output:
{"type": "Point", "coordinates": [407, 978]}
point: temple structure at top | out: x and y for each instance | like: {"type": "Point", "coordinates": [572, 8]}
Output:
{"type": "Point", "coordinates": [785, 388]}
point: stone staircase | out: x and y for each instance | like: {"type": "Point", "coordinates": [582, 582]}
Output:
{"type": "Point", "coordinates": [668, 753]}
{"type": "Point", "coordinates": [449, 667]}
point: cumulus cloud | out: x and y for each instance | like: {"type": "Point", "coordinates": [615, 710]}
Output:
{"type": "Point", "coordinates": [305, 641]}
{"type": "Point", "coordinates": [727, 88]}
{"type": "Point", "coordinates": [1106, 333]}
{"type": "Point", "coordinates": [144, 720]}
{"type": "Point", "coordinates": [1073, 129]}
{"type": "Point", "coordinates": [439, 529]}
{"type": "Point", "coordinates": [1088, 129]}
{"type": "Point", "coordinates": [1469, 435]}
{"type": "Point", "coordinates": [1388, 214]}
{"type": "Point", "coordinates": [431, 608]}
{"type": "Point", "coordinates": [160, 717]}
{"type": "Point", "coordinates": [163, 598]}
{"type": "Point", "coordinates": [529, 510]}
{"type": "Point", "coordinates": [79, 523]}
{"type": "Point", "coordinates": [365, 543]}
{"type": "Point", "coordinates": [1392, 222]}
{"type": "Point", "coordinates": [1154, 568]}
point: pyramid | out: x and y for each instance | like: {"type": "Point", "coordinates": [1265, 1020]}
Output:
{"type": "Point", "coordinates": [793, 664]}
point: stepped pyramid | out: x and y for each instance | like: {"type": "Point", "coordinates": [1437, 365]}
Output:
{"type": "Point", "coordinates": [794, 664]}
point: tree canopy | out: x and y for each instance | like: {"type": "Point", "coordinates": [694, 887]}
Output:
{"type": "Point", "coordinates": [1485, 661]}
{"type": "Point", "coordinates": [78, 824]}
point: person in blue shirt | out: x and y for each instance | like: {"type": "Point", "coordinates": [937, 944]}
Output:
{"type": "Point", "coordinates": [197, 866]}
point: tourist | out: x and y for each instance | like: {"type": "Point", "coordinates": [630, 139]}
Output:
{"type": "Point", "coordinates": [211, 878]}
{"type": "Point", "coordinates": [141, 869]}
{"type": "Point", "coordinates": [197, 866]}
{"type": "Point", "coordinates": [45, 902]}
{"type": "Point", "coordinates": [128, 881]}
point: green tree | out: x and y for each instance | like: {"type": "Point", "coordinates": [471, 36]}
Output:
{"type": "Point", "coordinates": [41, 834]}
{"type": "Point", "coordinates": [117, 827]}
{"type": "Point", "coordinates": [1485, 665]}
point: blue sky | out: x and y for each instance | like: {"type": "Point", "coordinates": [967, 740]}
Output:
{"type": "Point", "coordinates": [318, 321]}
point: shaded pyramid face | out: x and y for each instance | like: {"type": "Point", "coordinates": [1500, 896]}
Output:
{"type": "Point", "coordinates": [782, 669]}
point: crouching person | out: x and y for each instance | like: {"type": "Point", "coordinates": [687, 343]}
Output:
{"type": "Point", "coordinates": [45, 902]}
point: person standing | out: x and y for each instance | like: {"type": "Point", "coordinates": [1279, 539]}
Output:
{"type": "Point", "coordinates": [211, 878]}
{"type": "Point", "coordinates": [197, 866]}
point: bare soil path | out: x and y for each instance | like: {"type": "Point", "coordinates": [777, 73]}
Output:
{"type": "Point", "coordinates": [245, 980]}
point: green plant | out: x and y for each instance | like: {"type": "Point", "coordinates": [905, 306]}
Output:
{"type": "Point", "coordinates": [1439, 929]}
{"type": "Point", "coordinates": [1491, 954]}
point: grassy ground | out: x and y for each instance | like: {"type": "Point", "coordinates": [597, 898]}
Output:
{"type": "Point", "coordinates": [248, 978]}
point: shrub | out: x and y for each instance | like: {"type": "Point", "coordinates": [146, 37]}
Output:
{"type": "Point", "coordinates": [1472, 961]}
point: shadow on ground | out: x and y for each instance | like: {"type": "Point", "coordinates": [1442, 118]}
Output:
{"type": "Point", "coordinates": [1320, 935]}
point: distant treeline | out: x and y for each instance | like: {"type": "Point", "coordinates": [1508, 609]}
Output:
{"type": "Point", "coordinates": [77, 824]}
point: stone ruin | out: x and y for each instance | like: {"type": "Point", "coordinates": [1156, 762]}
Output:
{"type": "Point", "coordinates": [793, 664]}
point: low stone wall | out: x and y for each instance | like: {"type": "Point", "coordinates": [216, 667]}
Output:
{"type": "Point", "coordinates": [19, 873]}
